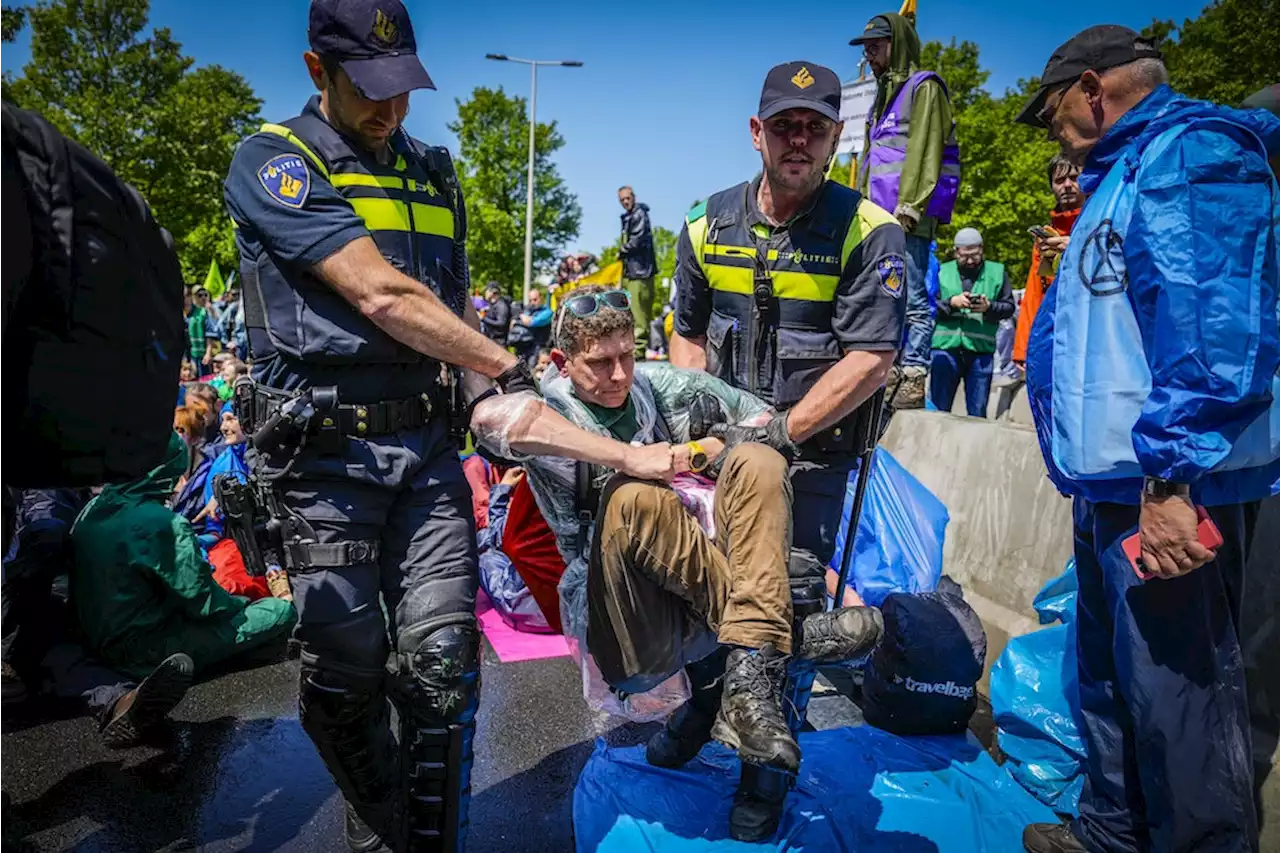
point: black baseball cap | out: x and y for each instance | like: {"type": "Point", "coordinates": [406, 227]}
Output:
{"type": "Point", "coordinates": [374, 41]}
{"type": "Point", "coordinates": [1095, 49]}
{"type": "Point", "coordinates": [877, 28]}
{"type": "Point", "coordinates": [800, 84]}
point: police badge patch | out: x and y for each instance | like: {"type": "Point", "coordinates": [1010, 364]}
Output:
{"type": "Point", "coordinates": [286, 179]}
{"type": "Point", "coordinates": [893, 273]}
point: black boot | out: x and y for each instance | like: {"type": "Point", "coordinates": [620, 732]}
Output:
{"type": "Point", "coordinates": [757, 804]}
{"type": "Point", "coordinates": [688, 729]}
{"type": "Point", "coordinates": [750, 718]}
{"type": "Point", "coordinates": [361, 838]}
{"type": "Point", "coordinates": [840, 635]}
{"type": "Point", "coordinates": [1051, 838]}
{"type": "Point", "coordinates": [150, 702]}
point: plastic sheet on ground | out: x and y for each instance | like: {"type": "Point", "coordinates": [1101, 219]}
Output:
{"type": "Point", "coordinates": [1035, 696]}
{"type": "Point", "coordinates": [860, 789]}
{"type": "Point", "coordinates": [900, 534]}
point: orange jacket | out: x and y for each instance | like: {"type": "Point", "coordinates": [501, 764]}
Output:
{"type": "Point", "coordinates": [1062, 222]}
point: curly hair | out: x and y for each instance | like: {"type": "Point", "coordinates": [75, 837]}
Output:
{"type": "Point", "coordinates": [575, 334]}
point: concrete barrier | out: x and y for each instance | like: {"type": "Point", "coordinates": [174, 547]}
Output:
{"type": "Point", "coordinates": [1010, 532]}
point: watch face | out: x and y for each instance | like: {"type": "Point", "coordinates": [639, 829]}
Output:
{"type": "Point", "coordinates": [698, 461]}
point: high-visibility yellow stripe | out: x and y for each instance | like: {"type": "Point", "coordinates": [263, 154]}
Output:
{"type": "Point", "coordinates": [731, 251]}
{"type": "Point", "coordinates": [360, 179]}
{"type": "Point", "coordinates": [730, 279]}
{"type": "Point", "coordinates": [281, 130]}
{"type": "Point", "coordinates": [803, 285]}
{"type": "Point", "coordinates": [869, 216]}
{"type": "Point", "coordinates": [385, 214]}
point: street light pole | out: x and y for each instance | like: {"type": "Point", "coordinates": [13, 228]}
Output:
{"type": "Point", "coordinates": [533, 128]}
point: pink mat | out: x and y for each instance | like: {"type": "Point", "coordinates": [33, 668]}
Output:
{"type": "Point", "coordinates": [512, 645]}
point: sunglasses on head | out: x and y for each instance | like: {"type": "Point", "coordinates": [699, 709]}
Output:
{"type": "Point", "coordinates": [589, 303]}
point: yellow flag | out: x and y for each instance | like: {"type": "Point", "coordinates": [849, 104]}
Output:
{"type": "Point", "coordinates": [908, 10]}
{"type": "Point", "coordinates": [213, 281]}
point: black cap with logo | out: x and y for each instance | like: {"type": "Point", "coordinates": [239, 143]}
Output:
{"type": "Point", "coordinates": [374, 41]}
{"type": "Point", "coordinates": [1095, 49]}
{"type": "Point", "coordinates": [877, 28]}
{"type": "Point", "coordinates": [803, 85]}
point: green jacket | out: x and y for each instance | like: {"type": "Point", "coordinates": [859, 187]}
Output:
{"type": "Point", "coordinates": [139, 569]}
{"type": "Point", "coordinates": [930, 126]}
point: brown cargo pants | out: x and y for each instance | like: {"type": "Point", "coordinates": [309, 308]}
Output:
{"type": "Point", "coordinates": [661, 593]}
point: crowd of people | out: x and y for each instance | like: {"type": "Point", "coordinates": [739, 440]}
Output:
{"type": "Point", "coordinates": [667, 517]}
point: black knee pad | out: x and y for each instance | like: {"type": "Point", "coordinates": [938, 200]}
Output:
{"type": "Point", "coordinates": [443, 656]}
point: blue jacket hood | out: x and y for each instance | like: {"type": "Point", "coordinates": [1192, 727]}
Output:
{"type": "Point", "coordinates": [1156, 113]}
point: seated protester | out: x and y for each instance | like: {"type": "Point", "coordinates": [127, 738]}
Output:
{"type": "Point", "coordinates": [647, 591]}
{"type": "Point", "coordinates": [504, 585]}
{"type": "Point", "coordinates": [38, 648]}
{"type": "Point", "coordinates": [481, 477]}
{"type": "Point", "coordinates": [230, 370]}
{"type": "Point", "coordinates": [207, 394]}
{"type": "Point", "coordinates": [143, 590]}
{"type": "Point", "coordinates": [187, 373]}
{"type": "Point", "coordinates": [541, 365]}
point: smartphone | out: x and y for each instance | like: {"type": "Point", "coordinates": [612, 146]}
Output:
{"type": "Point", "coordinates": [1040, 231]}
{"type": "Point", "coordinates": [1207, 532]}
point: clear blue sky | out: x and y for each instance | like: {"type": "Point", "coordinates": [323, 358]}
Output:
{"type": "Point", "coordinates": [664, 98]}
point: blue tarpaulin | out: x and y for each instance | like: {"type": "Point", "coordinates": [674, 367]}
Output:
{"type": "Point", "coordinates": [900, 534]}
{"type": "Point", "coordinates": [1035, 696]}
{"type": "Point", "coordinates": [860, 789]}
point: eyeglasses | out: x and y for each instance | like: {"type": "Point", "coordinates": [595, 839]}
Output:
{"type": "Point", "coordinates": [1047, 112]}
{"type": "Point", "coordinates": [589, 303]}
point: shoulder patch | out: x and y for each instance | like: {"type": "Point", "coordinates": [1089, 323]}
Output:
{"type": "Point", "coordinates": [286, 179]}
{"type": "Point", "coordinates": [893, 275]}
{"type": "Point", "coordinates": [699, 211]}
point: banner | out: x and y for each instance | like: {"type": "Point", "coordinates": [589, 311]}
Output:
{"type": "Point", "coordinates": [856, 99]}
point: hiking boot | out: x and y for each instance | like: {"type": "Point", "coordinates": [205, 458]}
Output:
{"type": "Point", "coordinates": [841, 635]}
{"type": "Point", "coordinates": [908, 387]}
{"type": "Point", "coordinates": [750, 718]}
{"type": "Point", "coordinates": [150, 702]}
{"type": "Point", "coordinates": [361, 837]}
{"type": "Point", "coordinates": [14, 689]}
{"type": "Point", "coordinates": [278, 583]}
{"type": "Point", "coordinates": [1051, 838]}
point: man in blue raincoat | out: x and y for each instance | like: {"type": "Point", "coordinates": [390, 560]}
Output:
{"type": "Point", "coordinates": [1152, 375]}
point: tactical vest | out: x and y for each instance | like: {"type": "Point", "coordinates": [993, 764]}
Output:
{"type": "Point", "coordinates": [413, 210]}
{"type": "Point", "coordinates": [888, 153]}
{"type": "Point", "coordinates": [966, 329]}
{"type": "Point", "coordinates": [773, 298]}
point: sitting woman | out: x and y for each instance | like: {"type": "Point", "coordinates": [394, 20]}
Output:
{"type": "Point", "coordinates": [143, 590]}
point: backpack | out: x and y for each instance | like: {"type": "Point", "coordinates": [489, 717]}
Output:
{"type": "Point", "coordinates": [93, 322]}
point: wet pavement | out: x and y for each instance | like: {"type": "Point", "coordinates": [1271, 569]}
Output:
{"type": "Point", "coordinates": [235, 772]}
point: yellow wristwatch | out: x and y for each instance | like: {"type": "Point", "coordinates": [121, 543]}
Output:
{"type": "Point", "coordinates": [698, 458]}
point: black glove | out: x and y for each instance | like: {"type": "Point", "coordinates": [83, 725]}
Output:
{"type": "Point", "coordinates": [774, 434]}
{"type": "Point", "coordinates": [516, 378]}
{"type": "Point", "coordinates": [705, 412]}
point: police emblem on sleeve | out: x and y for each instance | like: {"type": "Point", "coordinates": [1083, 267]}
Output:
{"type": "Point", "coordinates": [893, 272]}
{"type": "Point", "coordinates": [286, 179]}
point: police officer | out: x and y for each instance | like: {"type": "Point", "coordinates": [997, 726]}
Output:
{"type": "Point", "coordinates": [791, 287]}
{"type": "Point", "coordinates": [355, 283]}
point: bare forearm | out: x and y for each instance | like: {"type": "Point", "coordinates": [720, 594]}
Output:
{"type": "Point", "coordinates": [408, 311]}
{"type": "Point", "coordinates": [690, 353]}
{"type": "Point", "coordinates": [841, 389]}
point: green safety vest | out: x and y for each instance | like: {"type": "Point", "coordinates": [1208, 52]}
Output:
{"type": "Point", "coordinates": [966, 329]}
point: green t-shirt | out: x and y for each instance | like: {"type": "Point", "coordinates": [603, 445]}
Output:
{"type": "Point", "coordinates": [621, 422]}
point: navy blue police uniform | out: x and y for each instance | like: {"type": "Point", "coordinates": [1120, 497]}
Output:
{"type": "Point", "coordinates": [779, 305]}
{"type": "Point", "coordinates": [372, 473]}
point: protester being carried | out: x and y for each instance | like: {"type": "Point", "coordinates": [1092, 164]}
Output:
{"type": "Point", "coordinates": [647, 591]}
{"type": "Point", "coordinates": [143, 590]}
{"type": "Point", "coordinates": [1047, 251]}
{"type": "Point", "coordinates": [974, 296]}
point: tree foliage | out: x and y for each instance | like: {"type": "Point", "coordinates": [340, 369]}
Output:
{"type": "Point", "coordinates": [1227, 53]}
{"type": "Point", "coordinates": [136, 102]}
{"type": "Point", "coordinates": [493, 139]}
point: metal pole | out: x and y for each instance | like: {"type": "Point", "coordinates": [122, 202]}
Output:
{"type": "Point", "coordinates": [528, 207]}
{"type": "Point", "coordinates": [874, 406]}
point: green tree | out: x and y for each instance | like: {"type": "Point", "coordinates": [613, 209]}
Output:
{"type": "Point", "coordinates": [168, 129]}
{"type": "Point", "coordinates": [12, 19]}
{"type": "Point", "coordinates": [493, 133]}
{"type": "Point", "coordinates": [1227, 53]}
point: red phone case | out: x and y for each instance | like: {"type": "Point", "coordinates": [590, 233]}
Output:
{"type": "Point", "coordinates": [1207, 532]}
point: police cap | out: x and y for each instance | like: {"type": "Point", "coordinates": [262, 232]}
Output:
{"type": "Point", "coordinates": [373, 40]}
{"type": "Point", "coordinates": [802, 85]}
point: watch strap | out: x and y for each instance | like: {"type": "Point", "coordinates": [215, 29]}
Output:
{"type": "Point", "coordinates": [1155, 487]}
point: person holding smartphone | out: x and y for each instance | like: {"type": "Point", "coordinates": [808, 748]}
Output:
{"type": "Point", "coordinates": [973, 297]}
